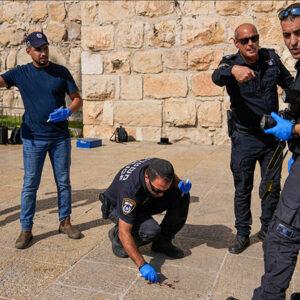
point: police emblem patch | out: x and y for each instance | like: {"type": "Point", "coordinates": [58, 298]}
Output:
{"type": "Point", "coordinates": [128, 206]}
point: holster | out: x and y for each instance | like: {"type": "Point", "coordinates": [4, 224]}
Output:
{"type": "Point", "coordinates": [105, 206]}
{"type": "Point", "coordinates": [230, 122]}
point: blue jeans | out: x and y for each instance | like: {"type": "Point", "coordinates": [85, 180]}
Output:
{"type": "Point", "coordinates": [34, 154]}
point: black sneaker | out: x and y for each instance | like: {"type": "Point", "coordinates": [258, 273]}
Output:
{"type": "Point", "coordinates": [167, 248]}
{"type": "Point", "coordinates": [117, 247]}
{"type": "Point", "coordinates": [239, 244]}
{"type": "Point", "coordinates": [262, 235]}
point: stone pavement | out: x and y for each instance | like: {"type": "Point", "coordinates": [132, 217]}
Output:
{"type": "Point", "coordinates": [55, 267]}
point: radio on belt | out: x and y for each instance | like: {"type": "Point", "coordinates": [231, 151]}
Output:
{"type": "Point", "coordinates": [88, 143]}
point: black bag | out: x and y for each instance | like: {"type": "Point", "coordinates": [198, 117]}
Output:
{"type": "Point", "coordinates": [120, 135]}
{"type": "Point", "coordinates": [15, 137]}
{"type": "Point", "coordinates": [3, 134]}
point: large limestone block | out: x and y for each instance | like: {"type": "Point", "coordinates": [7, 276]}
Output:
{"type": "Point", "coordinates": [236, 7]}
{"type": "Point", "coordinates": [267, 6]}
{"type": "Point", "coordinates": [22, 57]}
{"type": "Point", "coordinates": [39, 11]}
{"type": "Point", "coordinates": [234, 22]}
{"type": "Point", "coordinates": [99, 87]}
{"type": "Point", "coordinates": [117, 62]}
{"type": "Point", "coordinates": [74, 12]}
{"type": "Point", "coordinates": [269, 30]}
{"type": "Point", "coordinates": [98, 112]}
{"type": "Point", "coordinates": [163, 34]}
{"type": "Point", "coordinates": [97, 38]}
{"type": "Point", "coordinates": [202, 85]}
{"type": "Point", "coordinates": [145, 113]}
{"type": "Point", "coordinates": [16, 11]}
{"type": "Point", "coordinates": [11, 36]}
{"type": "Point", "coordinates": [57, 11]}
{"type": "Point", "coordinates": [165, 86]}
{"type": "Point", "coordinates": [179, 113]}
{"type": "Point", "coordinates": [91, 63]}
{"type": "Point", "coordinates": [202, 31]}
{"type": "Point", "coordinates": [75, 56]}
{"type": "Point", "coordinates": [130, 34]}
{"type": "Point", "coordinates": [74, 31]}
{"type": "Point", "coordinates": [210, 114]}
{"type": "Point", "coordinates": [188, 135]}
{"type": "Point", "coordinates": [148, 61]}
{"type": "Point", "coordinates": [131, 87]}
{"type": "Point", "coordinates": [11, 59]}
{"type": "Point", "coordinates": [196, 7]}
{"type": "Point", "coordinates": [152, 134]}
{"type": "Point", "coordinates": [204, 59]}
{"type": "Point", "coordinates": [98, 131]}
{"type": "Point", "coordinates": [57, 55]}
{"type": "Point", "coordinates": [56, 32]}
{"type": "Point", "coordinates": [115, 10]}
{"type": "Point", "coordinates": [175, 59]}
{"type": "Point", "coordinates": [89, 12]}
{"type": "Point", "coordinates": [154, 8]}
{"type": "Point", "coordinates": [1, 14]}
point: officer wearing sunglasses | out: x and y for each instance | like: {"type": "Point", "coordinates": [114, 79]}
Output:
{"type": "Point", "coordinates": [251, 77]}
{"type": "Point", "coordinates": [282, 245]}
{"type": "Point", "coordinates": [140, 190]}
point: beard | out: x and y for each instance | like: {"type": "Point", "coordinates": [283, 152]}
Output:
{"type": "Point", "coordinates": [42, 64]}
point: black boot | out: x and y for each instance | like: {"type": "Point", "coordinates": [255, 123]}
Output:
{"type": "Point", "coordinates": [262, 235]}
{"type": "Point", "coordinates": [165, 246]}
{"type": "Point", "coordinates": [117, 247]}
{"type": "Point", "coordinates": [239, 244]}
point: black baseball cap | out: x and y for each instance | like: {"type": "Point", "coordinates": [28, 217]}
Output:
{"type": "Point", "coordinates": [36, 39]}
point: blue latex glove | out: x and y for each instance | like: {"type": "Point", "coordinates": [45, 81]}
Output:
{"type": "Point", "coordinates": [185, 186]}
{"type": "Point", "coordinates": [291, 161]}
{"type": "Point", "coordinates": [148, 273]}
{"type": "Point", "coordinates": [60, 114]}
{"type": "Point", "coordinates": [282, 130]}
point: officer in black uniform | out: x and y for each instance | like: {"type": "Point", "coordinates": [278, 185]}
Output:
{"type": "Point", "coordinates": [251, 77]}
{"type": "Point", "coordinates": [141, 189]}
{"type": "Point", "coordinates": [283, 239]}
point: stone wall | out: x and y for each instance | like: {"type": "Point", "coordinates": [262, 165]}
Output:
{"type": "Point", "coordinates": [145, 65]}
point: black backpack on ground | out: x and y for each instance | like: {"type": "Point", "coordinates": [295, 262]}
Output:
{"type": "Point", "coordinates": [15, 137]}
{"type": "Point", "coordinates": [120, 135]}
{"type": "Point", "coordinates": [3, 134]}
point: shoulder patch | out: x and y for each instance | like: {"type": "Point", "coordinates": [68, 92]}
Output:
{"type": "Point", "coordinates": [223, 65]}
{"type": "Point", "coordinates": [270, 62]}
{"type": "Point", "coordinates": [128, 205]}
{"type": "Point", "coordinates": [229, 56]}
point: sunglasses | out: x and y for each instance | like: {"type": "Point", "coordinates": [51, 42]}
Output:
{"type": "Point", "coordinates": [293, 11]}
{"type": "Point", "coordinates": [155, 190]}
{"type": "Point", "coordinates": [245, 41]}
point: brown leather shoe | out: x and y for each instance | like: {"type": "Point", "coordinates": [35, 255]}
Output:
{"type": "Point", "coordinates": [23, 240]}
{"type": "Point", "coordinates": [66, 227]}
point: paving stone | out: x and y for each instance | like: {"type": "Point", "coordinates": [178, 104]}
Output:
{"type": "Point", "coordinates": [62, 292]}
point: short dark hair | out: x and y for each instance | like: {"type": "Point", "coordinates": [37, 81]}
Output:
{"type": "Point", "coordinates": [290, 16]}
{"type": "Point", "coordinates": [160, 168]}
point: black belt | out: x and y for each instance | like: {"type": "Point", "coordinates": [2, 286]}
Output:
{"type": "Point", "coordinates": [249, 131]}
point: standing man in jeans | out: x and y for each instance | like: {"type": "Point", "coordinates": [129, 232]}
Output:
{"type": "Point", "coordinates": [43, 86]}
{"type": "Point", "coordinates": [251, 77]}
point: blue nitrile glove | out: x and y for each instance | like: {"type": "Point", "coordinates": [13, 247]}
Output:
{"type": "Point", "coordinates": [60, 114]}
{"type": "Point", "coordinates": [282, 130]}
{"type": "Point", "coordinates": [291, 161]}
{"type": "Point", "coordinates": [185, 186]}
{"type": "Point", "coordinates": [148, 273]}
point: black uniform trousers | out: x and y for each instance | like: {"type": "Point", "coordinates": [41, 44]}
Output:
{"type": "Point", "coordinates": [282, 242]}
{"type": "Point", "coordinates": [146, 229]}
{"type": "Point", "coordinates": [246, 150]}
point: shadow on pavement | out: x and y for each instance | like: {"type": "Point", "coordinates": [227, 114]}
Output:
{"type": "Point", "coordinates": [79, 198]}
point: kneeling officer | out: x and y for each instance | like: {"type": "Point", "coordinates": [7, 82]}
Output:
{"type": "Point", "coordinates": [141, 189]}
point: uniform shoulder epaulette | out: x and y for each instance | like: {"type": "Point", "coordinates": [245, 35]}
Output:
{"type": "Point", "coordinates": [230, 56]}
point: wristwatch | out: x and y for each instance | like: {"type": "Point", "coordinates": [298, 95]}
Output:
{"type": "Point", "coordinates": [294, 133]}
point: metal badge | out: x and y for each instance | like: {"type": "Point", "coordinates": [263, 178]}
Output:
{"type": "Point", "coordinates": [283, 230]}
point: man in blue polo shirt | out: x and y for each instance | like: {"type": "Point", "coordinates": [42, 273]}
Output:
{"type": "Point", "coordinates": [43, 86]}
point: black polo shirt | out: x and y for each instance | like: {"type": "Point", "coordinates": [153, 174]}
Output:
{"type": "Point", "coordinates": [258, 96]}
{"type": "Point", "coordinates": [128, 191]}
